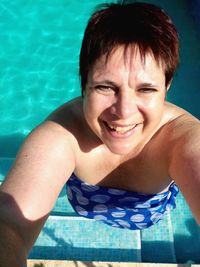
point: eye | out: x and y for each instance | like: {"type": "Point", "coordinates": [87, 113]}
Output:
{"type": "Point", "coordinates": [147, 90]}
{"type": "Point", "coordinates": [107, 89]}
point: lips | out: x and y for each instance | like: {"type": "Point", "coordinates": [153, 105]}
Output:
{"type": "Point", "coordinates": [120, 129]}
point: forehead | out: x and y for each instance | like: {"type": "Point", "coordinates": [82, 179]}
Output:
{"type": "Point", "coordinates": [128, 59]}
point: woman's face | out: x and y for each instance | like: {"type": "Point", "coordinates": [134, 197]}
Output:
{"type": "Point", "coordinates": [124, 99]}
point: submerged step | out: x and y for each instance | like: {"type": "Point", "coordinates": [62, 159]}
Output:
{"type": "Point", "coordinates": [75, 238]}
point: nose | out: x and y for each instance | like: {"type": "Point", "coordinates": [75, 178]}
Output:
{"type": "Point", "coordinates": [125, 105]}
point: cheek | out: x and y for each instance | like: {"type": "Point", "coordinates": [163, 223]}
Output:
{"type": "Point", "coordinates": [91, 108]}
{"type": "Point", "coordinates": [95, 103]}
{"type": "Point", "coordinates": [152, 108]}
{"type": "Point", "coordinates": [156, 101]}
{"type": "Point", "coordinates": [88, 101]}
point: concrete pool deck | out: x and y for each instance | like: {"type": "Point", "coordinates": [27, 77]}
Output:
{"type": "Point", "coordinates": [47, 263]}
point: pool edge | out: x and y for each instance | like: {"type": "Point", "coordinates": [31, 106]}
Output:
{"type": "Point", "coordinates": [58, 263]}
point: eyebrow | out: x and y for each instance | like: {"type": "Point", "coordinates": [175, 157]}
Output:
{"type": "Point", "coordinates": [147, 85]}
{"type": "Point", "coordinates": [108, 82]}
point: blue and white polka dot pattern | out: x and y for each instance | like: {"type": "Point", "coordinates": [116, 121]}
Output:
{"type": "Point", "coordinates": [119, 208]}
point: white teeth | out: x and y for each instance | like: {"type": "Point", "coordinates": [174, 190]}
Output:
{"type": "Point", "coordinates": [121, 129]}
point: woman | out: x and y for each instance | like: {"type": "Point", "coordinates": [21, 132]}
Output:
{"type": "Point", "coordinates": [121, 148]}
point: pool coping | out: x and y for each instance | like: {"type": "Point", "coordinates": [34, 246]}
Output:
{"type": "Point", "coordinates": [58, 263]}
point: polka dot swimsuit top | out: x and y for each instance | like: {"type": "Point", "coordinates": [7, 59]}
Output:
{"type": "Point", "coordinates": [119, 208]}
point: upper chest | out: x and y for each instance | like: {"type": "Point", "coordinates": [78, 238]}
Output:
{"type": "Point", "coordinates": [146, 173]}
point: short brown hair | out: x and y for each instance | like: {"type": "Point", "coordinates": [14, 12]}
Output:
{"type": "Point", "coordinates": [144, 25]}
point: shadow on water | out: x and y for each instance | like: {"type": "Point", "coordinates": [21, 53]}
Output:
{"type": "Point", "coordinates": [186, 247]}
{"type": "Point", "coordinates": [10, 144]}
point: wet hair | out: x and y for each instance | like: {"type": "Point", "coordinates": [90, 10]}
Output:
{"type": "Point", "coordinates": [142, 25]}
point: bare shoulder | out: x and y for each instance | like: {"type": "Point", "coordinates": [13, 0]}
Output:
{"type": "Point", "coordinates": [69, 114]}
{"type": "Point", "coordinates": [70, 119]}
{"type": "Point", "coordinates": [184, 158]}
{"type": "Point", "coordinates": [179, 128]}
{"type": "Point", "coordinates": [49, 135]}
{"type": "Point", "coordinates": [182, 125]}
{"type": "Point", "coordinates": [184, 133]}
{"type": "Point", "coordinates": [58, 133]}
{"type": "Point", "coordinates": [181, 133]}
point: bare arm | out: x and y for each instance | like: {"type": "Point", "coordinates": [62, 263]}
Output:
{"type": "Point", "coordinates": [185, 166]}
{"type": "Point", "coordinates": [30, 190]}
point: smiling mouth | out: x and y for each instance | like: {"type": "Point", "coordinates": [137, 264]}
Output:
{"type": "Point", "coordinates": [120, 129]}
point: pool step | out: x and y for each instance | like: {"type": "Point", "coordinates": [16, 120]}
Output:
{"type": "Point", "coordinates": [75, 238]}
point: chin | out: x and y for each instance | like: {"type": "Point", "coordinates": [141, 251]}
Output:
{"type": "Point", "coordinates": [121, 150]}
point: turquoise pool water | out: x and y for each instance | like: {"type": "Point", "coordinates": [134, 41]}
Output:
{"type": "Point", "coordinates": [39, 50]}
